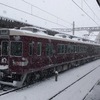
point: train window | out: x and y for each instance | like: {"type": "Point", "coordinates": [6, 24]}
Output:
{"type": "Point", "coordinates": [74, 48]}
{"type": "Point", "coordinates": [59, 48]}
{"type": "Point", "coordinates": [5, 48]}
{"type": "Point", "coordinates": [30, 49]}
{"type": "Point", "coordinates": [39, 48]}
{"type": "Point", "coordinates": [63, 48]}
{"type": "Point", "coordinates": [66, 48]}
{"type": "Point", "coordinates": [69, 48]}
{"type": "Point", "coordinates": [49, 49]}
{"type": "Point", "coordinates": [16, 48]}
{"type": "Point", "coordinates": [84, 49]}
{"type": "Point", "coordinates": [79, 49]}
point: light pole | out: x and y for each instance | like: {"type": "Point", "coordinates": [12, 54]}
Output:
{"type": "Point", "coordinates": [73, 28]}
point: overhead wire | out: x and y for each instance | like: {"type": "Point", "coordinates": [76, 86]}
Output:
{"type": "Point", "coordinates": [91, 9]}
{"type": "Point", "coordinates": [85, 13]}
{"type": "Point", "coordinates": [47, 12]}
{"type": "Point", "coordinates": [32, 14]}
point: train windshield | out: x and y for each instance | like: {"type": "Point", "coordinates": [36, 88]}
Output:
{"type": "Point", "coordinates": [16, 48]}
{"type": "Point", "coordinates": [5, 48]}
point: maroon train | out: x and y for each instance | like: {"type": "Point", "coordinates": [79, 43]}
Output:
{"type": "Point", "coordinates": [27, 56]}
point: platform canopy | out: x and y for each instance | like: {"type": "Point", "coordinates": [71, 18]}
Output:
{"type": "Point", "coordinates": [10, 23]}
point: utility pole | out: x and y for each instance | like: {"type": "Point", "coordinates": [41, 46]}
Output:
{"type": "Point", "coordinates": [73, 28]}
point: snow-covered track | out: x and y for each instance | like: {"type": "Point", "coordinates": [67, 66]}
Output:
{"type": "Point", "coordinates": [73, 84]}
{"type": "Point", "coordinates": [7, 91]}
{"type": "Point", "coordinates": [12, 90]}
{"type": "Point", "coordinates": [16, 89]}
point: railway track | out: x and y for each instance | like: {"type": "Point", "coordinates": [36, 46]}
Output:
{"type": "Point", "coordinates": [16, 89]}
{"type": "Point", "coordinates": [12, 90]}
{"type": "Point", "coordinates": [7, 91]}
{"type": "Point", "coordinates": [73, 84]}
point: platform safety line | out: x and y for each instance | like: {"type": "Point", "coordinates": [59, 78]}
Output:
{"type": "Point", "coordinates": [73, 83]}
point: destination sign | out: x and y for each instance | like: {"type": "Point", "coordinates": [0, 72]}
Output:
{"type": "Point", "coordinates": [4, 32]}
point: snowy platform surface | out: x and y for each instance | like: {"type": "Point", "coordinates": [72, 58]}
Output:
{"type": "Point", "coordinates": [48, 88]}
{"type": "Point", "coordinates": [95, 93]}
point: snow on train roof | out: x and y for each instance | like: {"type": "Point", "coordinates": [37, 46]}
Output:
{"type": "Point", "coordinates": [44, 35]}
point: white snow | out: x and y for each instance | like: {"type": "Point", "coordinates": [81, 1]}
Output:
{"type": "Point", "coordinates": [63, 9]}
{"type": "Point", "coordinates": [52, 13]}
{"type": "Point", "coordinates": [46, 89]}
{"type": "Point", "coordinates": [95, 93]}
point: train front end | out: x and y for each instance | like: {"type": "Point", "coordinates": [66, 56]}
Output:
{"type": "Point", "coordinates": [10, 57]}
{"type": "Point", "coordinates": [4, 54]}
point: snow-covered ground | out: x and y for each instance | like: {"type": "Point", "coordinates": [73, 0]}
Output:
{"type": "Point", "coordinates": [95, 93]}
{"type": "Point", "coordinates": [48, 88]}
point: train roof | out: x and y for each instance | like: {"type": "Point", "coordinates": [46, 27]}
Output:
{"type": "Point", "coordinates": [46, 36]}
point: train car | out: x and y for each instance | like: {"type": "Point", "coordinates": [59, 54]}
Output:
{"type": "Point", "coordinates": [27, 56]}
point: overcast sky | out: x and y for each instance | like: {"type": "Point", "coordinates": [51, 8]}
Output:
{"type": "Point", "coordinates": [52, 13]}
